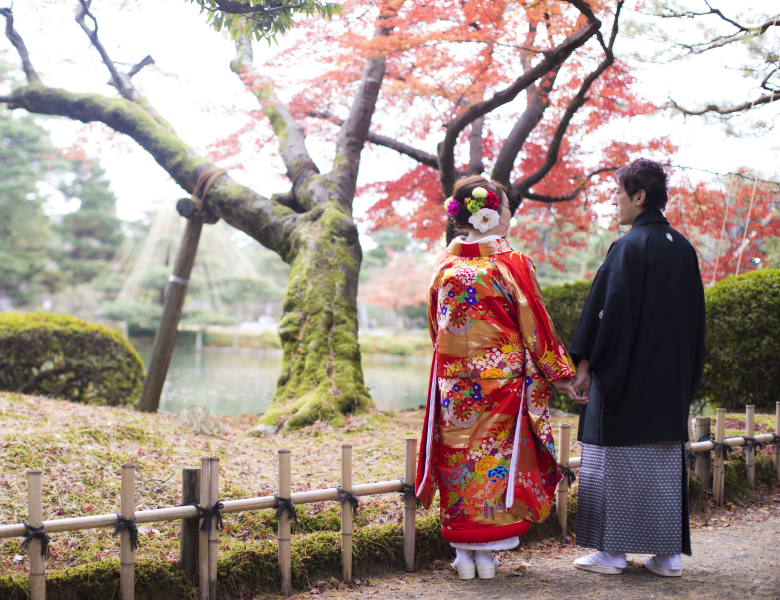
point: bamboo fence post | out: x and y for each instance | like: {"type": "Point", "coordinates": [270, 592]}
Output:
{"type": "Point", "coordinates": [213, 532]}
{"type": "Point", "coordinates": [703, 459]}
{"type": "Point", "coordinates": [126, 552]}
{"type": "Point", "coordinates": [346, 514]}
{"type": "Point", "coordinates": [777, 445]}
{"type": "Point", "coordinates": [410, 504]}
{"type": "Point", "coordinates": [35, 519]}
{"type": "Point", "coordinates": [283, 535]}
{"type": "Point", "coordinates": [750, 455]}
{"type": "Point", "coordinates": [562, 501]}
{"type": "Point", "coordinates": [720, 457]}
{"type": "Point", "coordinates": [203, 536]}
{"type": "Point", "coordinates": [188, 540]}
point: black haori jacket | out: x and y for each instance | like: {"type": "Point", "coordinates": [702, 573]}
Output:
{"type": "Point", "coordinates": [642, 330]}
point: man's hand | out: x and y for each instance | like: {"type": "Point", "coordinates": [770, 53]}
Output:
{"type": "Point", "coordinates": [582, 383]}
{"type": "Point", "coordinates": [565, 387]}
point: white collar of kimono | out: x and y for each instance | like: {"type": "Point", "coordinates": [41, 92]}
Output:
{"type": "Point", "coordinates": [487, 238]}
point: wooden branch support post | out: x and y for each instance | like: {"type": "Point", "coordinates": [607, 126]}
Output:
{"type": "Point", "coordinates": [126, 551]}
{"type": "Point", "coordinates": [346, 514]}
{"type": "Point", "coordinates": [165, 338]}
{"type": "Point", "coordinates": [35, 519]}
{"type": "Point", "coordinates": [203, 536]}
{"type": "Point", "coordinates": [410, 504]}
{"type": "Point", "coordinates": [777, 445]}
{"type": "Point", "coordinates": [703, 459]}
{"type": "Point", "coordinates": [213, 531]}
{"type": "Point", "coordinates": [188, 538]}
{"type": "Point", "coordinates": [562, 500]}
{"type": "Point", "coordinates": [718, 478]}
{"type": "Point", "coordinates": [285, 525]}
{"type": "Point", "coordinates": [750, 455]}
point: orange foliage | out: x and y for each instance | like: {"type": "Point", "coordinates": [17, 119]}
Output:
{"type": "Point", "coordinates": [402, 283]}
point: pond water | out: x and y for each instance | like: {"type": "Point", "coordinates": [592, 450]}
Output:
{"type": "Point", "coordinates": [236, 384]}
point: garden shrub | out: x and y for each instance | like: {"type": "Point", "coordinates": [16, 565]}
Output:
{"type": "Point", "coordinates": [743, 341]}
{"type": "Point", "coordinates": [565, 303]}
{"type": "Point", "coordinates": [65, 357]}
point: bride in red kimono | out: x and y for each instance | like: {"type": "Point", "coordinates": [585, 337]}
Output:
{"type": "Point", "coordinates": [487, 442]}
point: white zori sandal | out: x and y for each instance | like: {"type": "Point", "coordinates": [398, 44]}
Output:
{"type": "Point", "coordinates": [592, 563]}
{"type": "Point", "coordinates": [651, 564]}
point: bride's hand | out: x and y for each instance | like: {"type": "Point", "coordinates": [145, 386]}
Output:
{"type": "Point", "coordinates": [565, 387]}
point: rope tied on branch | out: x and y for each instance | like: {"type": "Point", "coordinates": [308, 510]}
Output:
{"type": "Point", "coordinates": [348, 497]}
{"type": "Point", "coordinates": [285, 505]}
{"type": "Point", "coordinates": [37, 533]}
{"type": "Point", "coordinates": [568, 474]}
{"type": "Point", "coordinates": [208, 513]}
{"type": "Point", "coordinates": [407, 492]}
{"type": "Point", "coordinates": [127, 525]}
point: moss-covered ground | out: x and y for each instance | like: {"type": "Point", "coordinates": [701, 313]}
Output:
{"type": "Point", "coordinates": [81, 449]}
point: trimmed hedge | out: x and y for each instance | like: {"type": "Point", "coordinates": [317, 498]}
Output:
{"type": "Point", "coordinates": [743, 341]}
{"type": "Point", "coordinates": [65, 357]}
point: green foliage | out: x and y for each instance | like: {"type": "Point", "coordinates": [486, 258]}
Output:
{"type": "Point", "coordinates": [262, 19]}
{"type": "Point", "coordinates": [24, 228]}
{"type": "Point", "coordinates": [743, 341]}
{"type": "Point", "coordinates": [565, 303]}
{"type": "Point", "coordinates": [67, 358]}
{"type": "Point", "coordinates": [92, 234]}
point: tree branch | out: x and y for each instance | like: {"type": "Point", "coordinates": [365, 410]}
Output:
{"type": "Point", "coordinates": [476, 167]}
{"type": "Point", "coordinates": [551, 58]}
{"type": "Point", "coordinates": [136, 68]}
{"type": "Point", "coordinates": [120, 81]}
{"type": "Point", "coordinates": [522, 187]}
{"type": "Point", "coordinates": [574, 193]}
{"type": "Point", "coordinates": [766, 99]}
{"type": "Point", "coordinates": [292, 143]}
{"type": "Point", "coordinates": [18, 43]}
{"type": "Point", "coordinates": [239, 8]}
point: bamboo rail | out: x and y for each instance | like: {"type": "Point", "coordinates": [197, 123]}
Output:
{"type": "Point", "coordinates": [203, 558]}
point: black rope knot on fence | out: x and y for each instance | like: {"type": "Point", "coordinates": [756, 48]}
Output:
{"type": "Point", "coordinates": [751, 444]}
{"type": "Point", "coordinates": [690, 455]}
{"type": "Point", "coordinates": [722, 449]}
{"type": "Point", "coordinates": [37, 533]}
{"type": "Point", "coordinates": [568, 474]}
{"type": "Point", "coordinates": [407, 492]}
{"type": "Point", "coordinates": [127, 525]}
{"type": "Point", "coordinates": [348, 497]}
{"type": "Point", "coordinates": [285, 505]}
{"type": "Point", "coordinates": [208, 513]}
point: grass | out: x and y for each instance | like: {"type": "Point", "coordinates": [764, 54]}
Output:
{"type": "Point", "coordinates": [81, 449]}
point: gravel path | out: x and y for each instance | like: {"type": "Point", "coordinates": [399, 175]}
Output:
{"type": "Point", "coordinates": [735, 556]}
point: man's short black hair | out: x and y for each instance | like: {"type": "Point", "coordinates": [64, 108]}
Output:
{"type": "Point", "coordinates": [648, 175]}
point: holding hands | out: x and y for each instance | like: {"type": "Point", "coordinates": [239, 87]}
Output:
{"type": "Point", "coordinates": [577, 389]}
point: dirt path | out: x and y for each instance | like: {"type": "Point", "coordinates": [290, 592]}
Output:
{"type": "Point", "coordinates": [738, 560]}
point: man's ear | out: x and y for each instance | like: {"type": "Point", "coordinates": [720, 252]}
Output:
{"type": "Point", "coordinates": [639, 197]}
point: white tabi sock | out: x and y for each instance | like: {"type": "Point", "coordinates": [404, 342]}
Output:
{"type": "Point", "coordinates": [484, 557]}
{"type": "Point", "coordinates": [673, 562]}
{"type": "Point", "coordinates": [612, 559]}
{"type": "Point", "coordinates": [463, 557]}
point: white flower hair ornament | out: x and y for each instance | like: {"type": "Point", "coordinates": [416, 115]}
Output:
{"type": "Point", "coordinates": [484, 219]}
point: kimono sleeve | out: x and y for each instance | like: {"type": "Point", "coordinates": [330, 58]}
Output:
{"type": "Point", "coordinates": [605, 332]}
{"type": "Point", "coordinates": [536, 327]}
{"type": "Point", "coordinates": [433, 301]}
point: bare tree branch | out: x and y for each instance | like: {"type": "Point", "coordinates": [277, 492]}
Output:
{"type": "Point", "coordinates": [574, 193]}
{"type": "Point", "coordinates": [18, 43]}
{"type": "Point", "coordinates": [551, 58]}
{"type": "Point", "coordinates": [522, 187]}
{"type": "Point", "coordinates": [292, 142]}
{"type": "Point", "coordinates": [148, 60]}
{"type": "Point", "coordinates": [120, 81]}
{"type": "Point", "coordinates": [766, 99]}
{"type": "Point", "coordinates": [476, 167]}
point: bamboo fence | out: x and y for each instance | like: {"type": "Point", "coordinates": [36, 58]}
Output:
{"type": "Point", "coordinates": [206, 509]}
{"type": "Point", "coordinates": [703, 447]}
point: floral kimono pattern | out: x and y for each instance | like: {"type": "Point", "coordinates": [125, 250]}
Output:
{"type": "Point", "coordinates": [487, 442]}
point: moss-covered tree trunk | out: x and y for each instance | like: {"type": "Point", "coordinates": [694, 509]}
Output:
{"type": "Point", "coordinates": [321, 376]}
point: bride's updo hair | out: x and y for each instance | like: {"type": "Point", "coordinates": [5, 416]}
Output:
{"type": "Point", "coordinates": [462, 191]}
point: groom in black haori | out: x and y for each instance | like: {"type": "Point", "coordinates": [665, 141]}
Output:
{"type": "Point", "coordinates": [640, 349]}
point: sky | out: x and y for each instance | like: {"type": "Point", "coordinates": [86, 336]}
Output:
{"type": "Point", "coordinates": [192, 86]}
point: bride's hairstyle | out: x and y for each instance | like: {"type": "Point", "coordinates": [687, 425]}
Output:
{"type": "Point", "coordinates": [462, 192]}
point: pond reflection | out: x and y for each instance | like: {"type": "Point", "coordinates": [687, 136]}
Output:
{"type": "Point", "coordinates": [236, 384]}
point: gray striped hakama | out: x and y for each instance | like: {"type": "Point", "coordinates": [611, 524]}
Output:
{"type": "Point", "coordinates": [634, 499]}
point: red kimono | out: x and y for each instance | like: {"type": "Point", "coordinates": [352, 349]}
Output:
{"type": "Point", "coordinates": [487, 424]}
